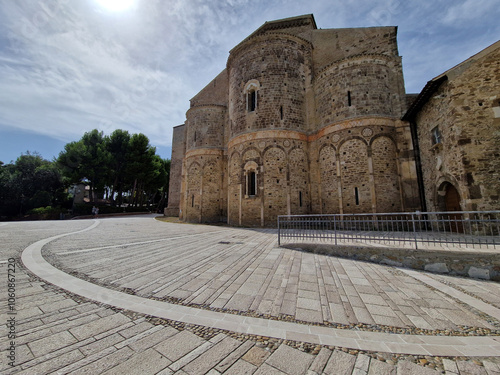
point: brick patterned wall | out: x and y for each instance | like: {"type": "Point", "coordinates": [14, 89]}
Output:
{"type": "Point", "coordinates": [385, 173]}
{"type": "Point", "coordinates": [205, 127]}
{"type": "Point", "coordinates": [329, 180]}
{"type": "Point", "coordinates": [309, 148]}
{"type": "Point", "coordinates": [361, 86]}
{"type": "Point", "coordinates": [275, 184]}
{"type": "Point", "coordinates": [353, 155]}
{"type": "Point", "coordinates": [298, 170]}
{"type": "Point", "coordinates": [193, 196]}
{"type": "Point", "coordinates": [281, 66]}
{"type": "Point", "coordinates": [174, 189]}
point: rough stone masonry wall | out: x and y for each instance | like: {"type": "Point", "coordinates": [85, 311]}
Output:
{"type": "Point", "coordinates": [356, 159]}
{"type": "Point", "coordinates": [282, 177]}
{"type": "Point", "coordinates": [280, 66]}
{"type": "Point", "coordinates": [174, 189]}
{"type": "Point", "coordinates": [204, 193]}
{"type": "Point", "coordinates": [311, 151]}
{"type": "Point", "coordinates": [358, 86]}
{"type": "Point", "coordinates": [466, 108]}
{"type": "Point", "coordinates": [205, 127]}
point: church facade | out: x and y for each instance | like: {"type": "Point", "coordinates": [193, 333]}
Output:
{"type": "Point", "coordinates": [302, 121]}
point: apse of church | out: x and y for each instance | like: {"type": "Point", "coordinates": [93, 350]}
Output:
{"type": "Point", "coordinates": [302, 121]}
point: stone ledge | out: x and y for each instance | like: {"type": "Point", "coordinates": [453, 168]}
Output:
{"type": "Point", "coordinates": [482, 265]}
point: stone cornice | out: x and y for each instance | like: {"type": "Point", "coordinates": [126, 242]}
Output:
{"type": "Point", "coordinates": [359, 56]}
{"type": "Point", "coordinates": [264, 37]}
{"type": "Point", "coordinates": [204, 151]}
{"type": "Point", "coordinates": [313, 136]}
{"type": "Point", "coordinates": [266, 134]}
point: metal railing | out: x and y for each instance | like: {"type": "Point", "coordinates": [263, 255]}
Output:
{"type": "Point", "coordinates": [424, 229]}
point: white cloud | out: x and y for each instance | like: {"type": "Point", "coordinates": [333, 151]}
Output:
{"type": "Point", "coordinates": [67, 66]}
{"type": "Point", "coordinates": [469, 10]}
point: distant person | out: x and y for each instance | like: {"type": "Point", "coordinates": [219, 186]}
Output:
{"type": "Point", "coordinates": [95, 212]}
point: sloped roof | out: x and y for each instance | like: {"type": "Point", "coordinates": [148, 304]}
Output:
{"type": "Point", "coordinates": [431, 86]}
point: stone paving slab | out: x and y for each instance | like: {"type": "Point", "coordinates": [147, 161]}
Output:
{"type": "Point", "coordinates": [122, 337]}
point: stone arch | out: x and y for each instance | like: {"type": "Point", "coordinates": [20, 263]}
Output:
{"type": "Point", "coordinates": [385, 174]}
{"type": "Point", "coordinates": [350, 138]}
{"type": "Point", "coordinates": [326, 145]}
{"type": "Point", "coordinates": [267, 148]}
{"type": "Point", "coordinates": [449, 199]}
{"type": "Point", "coordinates": [355, 176]}
{"type": "Point", "coordinates": [386, 135]}
{"type": "Point", "coordinates": [448, 189]}
{"type": "Point", "coordinates": [248, 150]}
{"type": "Point", "coordinates": [329, 181]}
{"type": "Point", "coordinates": [251, 172]}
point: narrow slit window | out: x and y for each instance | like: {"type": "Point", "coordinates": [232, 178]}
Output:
{"type": "Point", "coordinates": [349, 102]}
{"type": "Point", "coordinates": [252, 183]}
{"type": "Point", "coordinates": [252, 100]}
{"type": "Point", "coordinates": [195, 136]}
{"type": "Point", "coordinates": [356, 196]}
{"type": "Point", "coordinates": [300, 198]}
{"type": "Point", "coordinates": [281, 112]}
{"type": "Point", "coordinates": [192, 200]}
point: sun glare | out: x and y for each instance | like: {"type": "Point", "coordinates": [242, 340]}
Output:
{"type": "Point", "coordinates": [116, 5]}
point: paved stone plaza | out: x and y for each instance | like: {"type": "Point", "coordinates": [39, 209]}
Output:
{"type": "Point", "coordinates": [139, 296]}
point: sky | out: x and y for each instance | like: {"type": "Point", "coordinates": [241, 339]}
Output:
{"type": "Point", "coordinates": [70, 66]}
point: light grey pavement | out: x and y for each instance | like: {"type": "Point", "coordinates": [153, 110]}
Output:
{"type": "Point", "coordinates": [231, 301]}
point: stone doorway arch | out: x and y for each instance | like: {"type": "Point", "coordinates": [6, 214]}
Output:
{"type": "Point", "coordinates": [449, 200]}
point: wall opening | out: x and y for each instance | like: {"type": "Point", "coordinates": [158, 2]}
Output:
{"type": "Point", "coordinates": [356, 195]}
{"type": "Point", "coordinates": [252, 100]}
{"type": "Point", "coordinates": [251, 183]}
{"type": "Point", "coordinates": [436, 136]}
{"type": "Point", "coordinates": [192, 200]}
{"type": "Point", "coordinates": [281, 112]}
{"type": "Point", "coordinates": [349, 102]}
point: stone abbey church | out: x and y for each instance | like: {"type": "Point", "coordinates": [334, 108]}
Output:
{"type": "Point", "coordinates": [317, 121]}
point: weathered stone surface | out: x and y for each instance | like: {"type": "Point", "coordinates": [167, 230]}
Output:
{"type": "Point", "coordinates": [256, 356]}
{"type": "Point", "coordinates": [290, 361]}
{"type": "Point", "coordinates": [148, 362]}
{"type": "Point", "coordinates": [340, 363]}
{"type": "Point", "coordinates": [462, 109]}
{"type": "Point", "coordinates": [269, 137]}
{"type": "Point", "coordinates": [479, 273]}
{"type": "Point", "coordinates": [179, 345]}
{"type": "Point", "coordinates": [437, 267]}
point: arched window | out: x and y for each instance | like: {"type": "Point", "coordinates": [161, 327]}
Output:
{"type": "Point", "coordinates": [251, 91]}
{"type": "Point", "coordinates": [251, 184]}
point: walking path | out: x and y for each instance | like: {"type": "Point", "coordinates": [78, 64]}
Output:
{"type": "Point", "coordinates": [230, 299]}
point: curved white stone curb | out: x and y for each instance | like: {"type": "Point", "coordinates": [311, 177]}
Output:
{"type": "Point", "coordinates": [363, 340]}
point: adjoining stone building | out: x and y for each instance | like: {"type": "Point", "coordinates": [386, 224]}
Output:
{"type": "Point", "coordinates": [302, 121]}
{"type": "Point", "coordinates": [456, 125]}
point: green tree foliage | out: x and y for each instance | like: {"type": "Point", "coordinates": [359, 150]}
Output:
{"type": "Point", "coordinates": [87, 160]}
{"type": "Point", "coordinates": [118, 145]}
{"type": "Point", "coordinates": [120, 168]}
{"type": "Point", "coordinates": [124, 166]}
{"type": "Point", "coordinates": [30, 182]}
